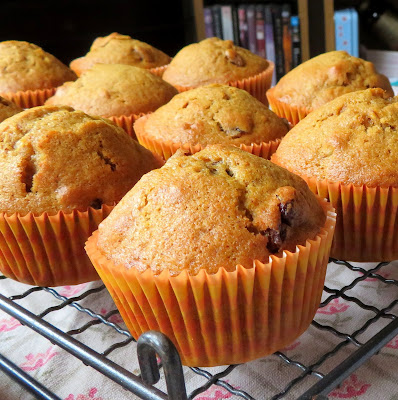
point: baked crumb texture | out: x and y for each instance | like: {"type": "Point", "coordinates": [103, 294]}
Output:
{"type": "Point", "coordinates": [352, 139]}
{"type": "Point", "coordinates": [327, 76]}
{"type": "Point", "coordinates": [114, 90]}
{"type": "Point", "coordinates": [25, 66]}
{"type": "Point", "coordinates": [213, 61]}
{"type": "Point", "coordinates": [215, 114]}
{"type": "Point", "coordinates": [120, 49]}
{"type": "Point", "coordinates": [55, 158]}
{"type": "Point", "coordinates": [217, 208]}
{"type": "Point", "coordinates": [8, 108]}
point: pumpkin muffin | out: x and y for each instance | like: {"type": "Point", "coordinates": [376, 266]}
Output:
{"type": "Point", "coordinates": [204, 225]}
{"type": "Point", "coordinates": [26, 68]}
{"type": "Point", "coordinates": [257, 209]}
{"type": "Point", "coordinates": [214, 114]}
{"type": "Point", "coordinates": [7, 109]}
{"type": "Point", "coordinates": [320, 80]}
{"type": "Point", "coordinates": [219, 61]}
{"type": "Point", "coordinates": [122, 92]}
{"type": "Point", "coordinates": [60, 172]}
{"type": "Point", "coordinates": [120, 49]}
{"type": "Point", "coordinates": [348, 151]}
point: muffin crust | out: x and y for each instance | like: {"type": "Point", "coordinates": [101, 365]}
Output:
{"type": "Point", "coordinates": [7, 109]}
{"type": "Point", "coordinates": [120, 49]}
{"type": "Point", "coordinates": [212, 61]}
{"type": "Point", "coordinates": [25, 66]}
{"type": "Point", "coordinates": [352, 139]}
{"type": "Point", "coordinates": [215, 114]}
{"type": "Point", "coordinates": [55, 158]}
{"type": "Point", "coordinates": [114, 90]}
{"type": "Point", "coordinates": [217, 208]}
{"type": "Point", "coordinates": [327, 76]}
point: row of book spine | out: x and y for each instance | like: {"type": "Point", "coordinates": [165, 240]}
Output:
{"type": "Point", "coordinates": [269, 30]}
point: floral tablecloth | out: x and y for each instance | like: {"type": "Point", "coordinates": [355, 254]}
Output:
{"type": "Point", "coordinates": [70, 379]}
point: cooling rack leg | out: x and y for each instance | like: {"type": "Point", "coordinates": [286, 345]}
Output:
{"type": "Point", "coordinates": [25, 380]}
{"type": "Point", "coordinates": [84, 353]}
{"type": "Point", "coordinates": [148, 363]}
{"type": "Point", "coordinates": [152, 342]}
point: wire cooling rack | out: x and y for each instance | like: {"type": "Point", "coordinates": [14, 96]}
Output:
{"type": "Point", "coordinates": [327, 374]}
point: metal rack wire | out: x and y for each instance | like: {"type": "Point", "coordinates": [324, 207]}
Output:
{"type": "Point", "coordinates": [152, 343]}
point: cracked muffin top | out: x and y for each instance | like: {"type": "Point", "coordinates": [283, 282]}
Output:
{"type": "Point", "coordinates": [120, 49]}
{"type": "Point", "coordinates": [217, 208]}
{"type": "Point", "coordinates": [213, 61]}
{"type": "Point", "coordinates": [25, 66]}
{"type": "Point", "coordinates": [114, 90]}
{"type": "Point", "coordinates": [352, 139]}
{"type": "Point", "coordinates": [214, 114]}
{"type": "Point", "coordinates": [8, 108]}
{"type": "Point", "coordinates": [327, 76]}
{"type": "Point", "coordinates": [56, 158]}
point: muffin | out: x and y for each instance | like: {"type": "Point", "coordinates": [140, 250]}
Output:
{"type": "Point", "coordinates": [61, 171]}
{"type": "Point", "coordinates": [119, 92]}
{"type": "Point", "coordinates": [209, 115]}
{"type": "Point", "coordinates": [28, 74]}
{"type": "Point", "coordinates": [216, 250]}
{"type": "Point", "coordinates": [219, 61]}
{"type": "Point", "coordinates": [121, 49]}
{"type": "Point", "coordinates": [320, 80]}
{"type": "Point", "coordinates": [7, 109]}
{"type": "Point", "coordinates": [347, 150]}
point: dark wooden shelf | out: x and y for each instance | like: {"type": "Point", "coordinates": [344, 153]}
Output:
{"type": "Point", "coordinates": [67, 28]}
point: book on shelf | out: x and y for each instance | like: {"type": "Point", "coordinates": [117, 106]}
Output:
{"type": "Point", "coordinates": [269, 30]}
{"type": "Point", "coordinates": [278, 40]}
{"type": "Point", "coordinates": [243, 27]}
{"type": "Point", "coordinates": [217, 22]}
{"type": "Point", "coordinates": [251, 26]}
{"type": "Point", "coordinates": [235, 25]}
{"type": "Point", "coordinates": [296, 43]}
{"type": "Point", "coordinates": [208, 17]}
{"type": "Point", "coordinates": [269, 38]}
{"type": "Point", "coordinates": [385, 62]}
{"type": "Point", "coordinates": [286, 14]}
{"type": "Point", "coordinates": [226, 22]}
{"type": "Point", "coordinates": [260, 31]}
{"type": "Point", "coordinates": [346, 31]}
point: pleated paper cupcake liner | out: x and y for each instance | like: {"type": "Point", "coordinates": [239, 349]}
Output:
{"type": "Point", "coordinates": [227, 317]}
{"type": "Point", "coordinates": [29, 98]}
{"type": "Point", "coordinates": [256, 85]}
{"type": "Point", "coordinates": [158, 71]}
{"type": "Point", "coordinates": [127, 123]}
{"type": "Point", "coordinates": [367, 220]}
{"type": "Point", "coordinates": [166, 149]}
{"type": "Point", "coordinates": [293, 114]}
{"type": "Point", "coordinates": [48, 250]}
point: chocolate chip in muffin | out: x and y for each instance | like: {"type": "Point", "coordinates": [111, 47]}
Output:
{"type": "Point", "coordinates": [275, 239]}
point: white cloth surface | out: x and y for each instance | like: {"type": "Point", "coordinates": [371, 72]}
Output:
{"type": "Point", "coordinates": [70, 379]}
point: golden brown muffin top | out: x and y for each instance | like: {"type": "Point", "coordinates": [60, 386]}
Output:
{"type": "Point", "coordinates": [55, 158]}
{"type": "Point", "coordinates": [215, 114]}
{"type": "Point", "coordinates": [25, 66]}
{"type": "Point", "coordinates": [327, 76]}
{"type": "Point", "coordinates": [352, 139]}
{"type": "Point", "coordinates": [114, 90]}
{"type": "Point", "coordinates": [217, 208]}
{"type": "Point", "coordinates": [120, 49]}
{"type": "Point", "coordinates": [212, 61]}
{"type": "Point", "coordinates": [7, 108]}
